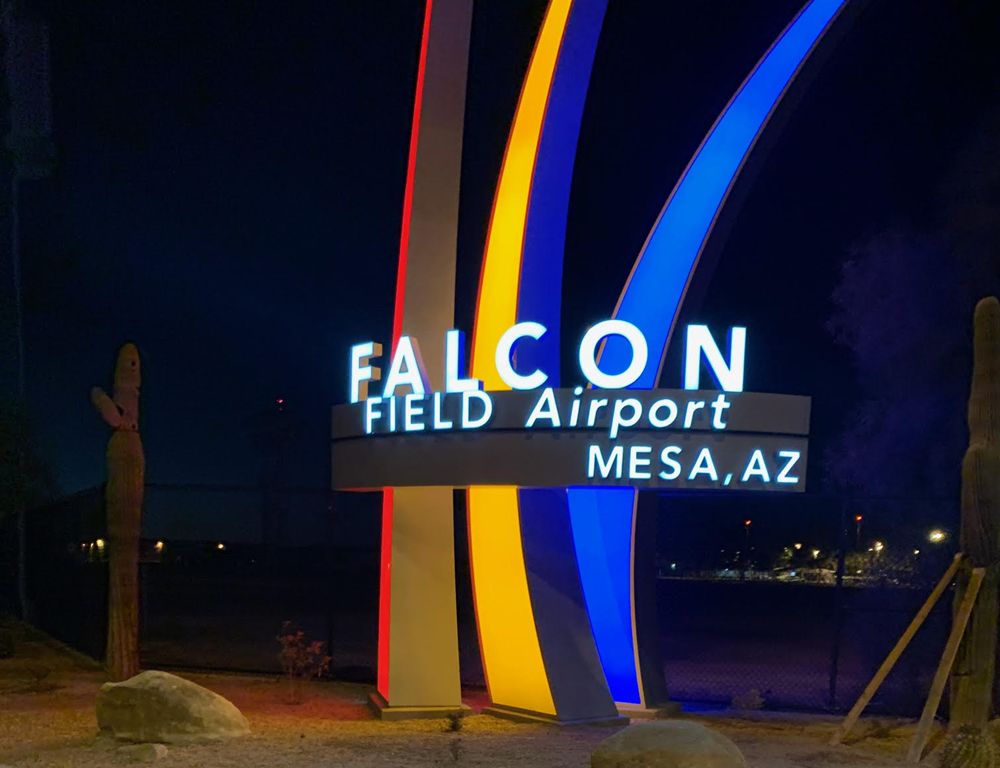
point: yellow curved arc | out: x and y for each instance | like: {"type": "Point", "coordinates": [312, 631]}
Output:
{"type": "Point", "coordinates": [512, 657]}
{"type": "Point", "coordinates": [498, 289]}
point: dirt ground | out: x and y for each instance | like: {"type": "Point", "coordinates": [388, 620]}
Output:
{"type": "Point", "coordinates": [47, 719]}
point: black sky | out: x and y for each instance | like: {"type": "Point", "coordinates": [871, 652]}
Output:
{"type": "Point", "coordinates": [231, 175]}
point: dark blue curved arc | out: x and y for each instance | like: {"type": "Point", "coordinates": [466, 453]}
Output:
{"type": "Point", "coordinates": [545, 514]}
{"type": "Point", "coordinates": [603, 517]}
{"type": "Point", "coordinates": [540, 289]}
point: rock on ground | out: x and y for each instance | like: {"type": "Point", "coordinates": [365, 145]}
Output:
{"type": "Point", "coordinates": [143, 753]}
{"type": "Point", "coordinates": [163, 708]}
{"type": "Point", "coordinates": [667, 744]}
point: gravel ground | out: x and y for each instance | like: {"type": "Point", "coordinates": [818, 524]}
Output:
{"type": "Point", "coordinates": [48, 720]}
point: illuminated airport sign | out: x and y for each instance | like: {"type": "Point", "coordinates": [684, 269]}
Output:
{"type": "Point", "coordinates": [396, 431]}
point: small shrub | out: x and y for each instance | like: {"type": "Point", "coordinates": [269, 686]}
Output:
{"type": "Point", "coordinates": [38, 679]}
{"type": "Point", "coordinates": [301, 659]}
{"type": "Point", "coordinates": [750, 700]}
{"type": "Point", "coordinates": [6, 644]}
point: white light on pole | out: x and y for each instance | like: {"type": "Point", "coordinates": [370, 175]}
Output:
{"type": "Point", "coordinates": [936, 536]}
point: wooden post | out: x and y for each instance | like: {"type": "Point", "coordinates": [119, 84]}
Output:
{"type": "Point", "coordinates": [944, 668]}
{"type": "Point", "coordinates": [895, 653]}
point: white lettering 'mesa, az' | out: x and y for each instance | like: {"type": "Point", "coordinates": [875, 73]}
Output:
{"type": "Point", "coordinates": [635, 462]}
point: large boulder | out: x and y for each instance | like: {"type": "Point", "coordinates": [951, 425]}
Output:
{"type": "Point", "coordinates": [163, 708]}
{"type": "Point", "coordinates": [667, 744]}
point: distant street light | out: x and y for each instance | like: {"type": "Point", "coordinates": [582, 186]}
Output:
{"type": "Point", "coordinates": [797, 545]}
{"type": "Point", "coordinates": [815, 554]}
{"type": "Point", "coordinates": [878, 546]}
{"type": "Point", "coordinates": [936, 536]}
{"type": "Point", "coordinates": [747, 524]}
{"type": "Point", "coordinates": [857, 529]}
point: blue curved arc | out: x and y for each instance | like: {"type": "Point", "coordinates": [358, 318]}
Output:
{"type": "Point", "coordinates": [655, 290]}
{"type": "Point", "coordinates": [652, 297]}
{"type": "Point", "coordinates": [601, 520]}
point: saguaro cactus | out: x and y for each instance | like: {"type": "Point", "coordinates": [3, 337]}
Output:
{"type": "Point", "coordinates": [123, 506]}
{"type": "Point", "coordinates": [974, 669]}
{"type": "Point", "coordinates": [970, 747]}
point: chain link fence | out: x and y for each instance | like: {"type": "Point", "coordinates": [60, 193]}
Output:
{"type": "Point", "coordinates": [793, 602]}
{"type": "Point", "coordinates": [770, 601]}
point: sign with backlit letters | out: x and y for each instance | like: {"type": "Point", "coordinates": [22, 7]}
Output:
{"type": "Point", "coordinates": [552, 462]}
{"type": "Point", "coordinates": [535, 435]}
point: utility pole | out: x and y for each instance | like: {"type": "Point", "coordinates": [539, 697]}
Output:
{"type": "Point", "coordinates": [747, 525]}
{"type": "Point", "coordinates": [838, 630]}
{"type": "Point", "coordinates": [28, 143]}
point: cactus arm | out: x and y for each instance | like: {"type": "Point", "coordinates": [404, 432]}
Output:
{"type": "Point", "coordinates": [106, 407]}
{"type": "Point", "coordinates": [128, 379]}
{"type": "Point", "coordinates": [126, 399]}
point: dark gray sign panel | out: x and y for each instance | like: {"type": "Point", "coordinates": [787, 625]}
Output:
{"type": "Point", "coordinates": [750, 441]}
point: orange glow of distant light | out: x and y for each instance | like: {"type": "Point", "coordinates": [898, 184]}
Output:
{"type": "Point", "coordinates": [748, 522]}
{"type": "Point", "coordinates": [158, 546]}
{"type": "Point", "coordinates": [220, 546]}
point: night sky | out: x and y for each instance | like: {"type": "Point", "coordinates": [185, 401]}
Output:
{"type": "Point", "coordinates": [231, 174]}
